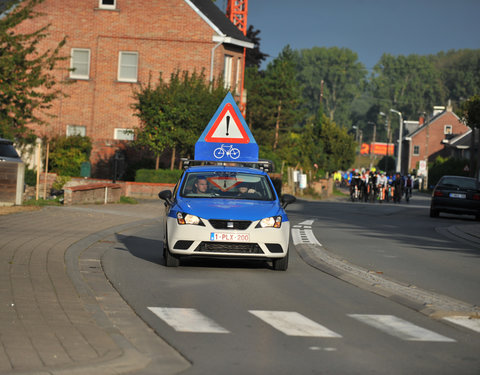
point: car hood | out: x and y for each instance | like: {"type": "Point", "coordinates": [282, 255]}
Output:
{"type": "Point", "coordinates": [229, 209]}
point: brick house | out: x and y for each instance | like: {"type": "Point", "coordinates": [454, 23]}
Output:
{"type": "Point", "coordinates": [429, 139]}
{"type": "Point", "coordinates": [114, 45]}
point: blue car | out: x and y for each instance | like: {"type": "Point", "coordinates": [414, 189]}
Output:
{"type": "Point", "coordinates": [226, 211]}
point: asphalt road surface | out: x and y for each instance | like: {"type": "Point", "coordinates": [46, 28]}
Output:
{"type": "Point", "coordinates": [240, 317]}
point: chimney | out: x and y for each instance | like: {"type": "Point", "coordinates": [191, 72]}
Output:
{"type": "Point", "coordinates": [449, 106]}
{"type": "Point", "coordinates": [421, 120]}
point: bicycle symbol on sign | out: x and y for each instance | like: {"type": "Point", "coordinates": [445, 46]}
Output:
{"type": "Point", "coordinates": [231, 151]}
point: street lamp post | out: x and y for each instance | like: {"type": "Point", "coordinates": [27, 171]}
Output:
{"type": "Point", "coordinates": [400, 139]}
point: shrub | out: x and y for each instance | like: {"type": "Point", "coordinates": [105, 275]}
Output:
{"type": "Point", "coordinates": [30, 177]}
{"type": "Point", "coordinates": [68, 153]}
{"type": "Point", "coordinates": [442, 167]}
{"type": "Point", "coordinates": [160, 175]}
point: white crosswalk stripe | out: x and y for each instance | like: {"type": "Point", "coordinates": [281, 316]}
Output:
{"type": "Point", "coordinates": [187, 320]}
{"type": "Point", "coordinates": [294, 324]}
{"type": "Point", "coordinates": [400, 328]}
{"type": "Point", "coordinates": [465, 321]}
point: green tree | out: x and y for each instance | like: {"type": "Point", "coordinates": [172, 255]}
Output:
{"type": "Point", "coordinates": [274, 96]}
{"type": "Point", "coordinates": [335, 72]}
{"type": "Point", "coordinates": [471, 109]}
{"type": "Point", "coordinates": [460, 73]}
{"type": "Point", "coordinates": [27, 77]}
{"type": "Point", "coordinates": [174, 113]}
{"type": "Point", "coordinates": [410, 84]}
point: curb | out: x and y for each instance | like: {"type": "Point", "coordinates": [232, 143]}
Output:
{"type": "Point", "coordinates": [428, 303]}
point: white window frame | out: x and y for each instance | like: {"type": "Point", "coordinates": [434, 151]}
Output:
{"type": "Point", "coordinates": [122, 79]}
{"type": "Point", "coordinates": [227, 71]}
{"type": "Point", "coordinates": [416, 150]}
{"type": "Point", "coordinates": [122, 134]}
{"type": "Point", "coordinates": [238, 78]}
{"type": "Point", "coordinates": [73, 130]}
{"type": "Point", "coordinates": [101, 5]}
{"type": "Point", "coordinates": [447, 129]}
{"type": "Point", "coordinates": [73, 73]}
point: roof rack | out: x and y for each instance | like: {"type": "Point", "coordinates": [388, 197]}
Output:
{"type": "Point", "coordinates": [264, 165]}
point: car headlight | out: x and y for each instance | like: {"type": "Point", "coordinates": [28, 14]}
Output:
{"type": "Point", "coordinates": [270, 222]}
{"type": "Point", "coordinates": [183, 219]}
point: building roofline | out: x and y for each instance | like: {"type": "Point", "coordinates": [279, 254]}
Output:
{"type": "Point", "coordinates": [226, 31]}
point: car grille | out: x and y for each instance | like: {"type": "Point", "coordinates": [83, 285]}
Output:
{"type": "Point", "coordinates": [230, 224]}
{"type": "Point", "coordinates": [229, 247]}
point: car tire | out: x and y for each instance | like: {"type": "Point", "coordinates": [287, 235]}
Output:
{"type": "Point", "coordinates": [477, 217]}
{"type": "Point", "coordinates": [281, 264]}
{"type": "Point", "coordinates": [170, 259]}
{"type": "Point", "coordinates": [434, 213]}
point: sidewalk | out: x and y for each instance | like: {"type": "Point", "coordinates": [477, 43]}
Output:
{"type": "Point", "coordinates": [58, 312]}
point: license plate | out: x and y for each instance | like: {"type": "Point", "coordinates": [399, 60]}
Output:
{"type": "Point", "coordinates": [230, 237]}
{"type": "Point", "coordinates": [456, 195]}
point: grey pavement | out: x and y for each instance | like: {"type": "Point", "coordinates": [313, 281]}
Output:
{"type": "Point", "coordinates": [58, 312]}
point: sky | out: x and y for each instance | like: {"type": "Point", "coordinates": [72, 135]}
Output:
{"type": "Point", "coordinates": [368, 27]}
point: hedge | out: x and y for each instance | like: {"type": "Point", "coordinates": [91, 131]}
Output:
{"type": "Point", "coordinates": [166, 176]}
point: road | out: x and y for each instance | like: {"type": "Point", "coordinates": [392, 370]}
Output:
{"type": "Point", "coordinates": [243, 317]}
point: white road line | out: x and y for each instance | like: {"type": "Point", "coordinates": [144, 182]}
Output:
{"type": "Point", "coordinates": [465, 321]}
{"type": "Point", "coordinates": [400, 328]}
{"type": "Point", "coordinates": [293, 324]}
{"type": "Point", "coordinates": [304, 236]}
{"type": "Point", "coordinates": [187, 320]}
{"type": "Point", "coordinates": [306, 222]}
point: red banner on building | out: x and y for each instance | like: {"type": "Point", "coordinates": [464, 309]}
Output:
{"type": "Point", "coordinates": [377, 148]}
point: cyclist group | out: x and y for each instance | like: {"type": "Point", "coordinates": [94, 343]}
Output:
{"type": "Point", "coordinates": [371, 186]}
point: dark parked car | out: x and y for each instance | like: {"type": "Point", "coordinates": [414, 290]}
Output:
{"type": "Point", "coordinates": [7, 151]}
{"type": "Point", "coordinates": [456, 195]}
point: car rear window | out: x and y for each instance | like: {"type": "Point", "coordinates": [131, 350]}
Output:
{"type": "Point", "coordinates": [232, 185]}
{"type": "Point", "coordinates": [8, 151]}
{"type": "Point", "coordinates": [462, 183]}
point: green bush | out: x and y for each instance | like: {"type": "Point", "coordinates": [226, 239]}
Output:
{"type": "Point", "coordinates": [68, 153]}
{"type": "Point", "coordinates": [442, 167]}
{"type": "Point", "coordinates": [160, 175]}
{"type": "Point", "coordinates": [30, 177]}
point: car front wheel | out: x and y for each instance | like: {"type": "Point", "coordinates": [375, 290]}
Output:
{"type": "Point", "coordinates": [281, 264]}
{"type": "Point", "coordinates": [434, 213]}
{"type": "Point", "coordinates": [170, 259]}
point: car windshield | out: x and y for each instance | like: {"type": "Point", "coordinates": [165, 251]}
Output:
{"type": "Point", "coordinates": [225, 184]}
{"type": "Point", "coordinates": [462, 183]}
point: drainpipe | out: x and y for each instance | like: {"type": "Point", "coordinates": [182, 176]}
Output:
{"type": "Point", "coordinates": [212, 59]}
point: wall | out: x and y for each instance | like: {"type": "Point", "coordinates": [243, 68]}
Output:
{"type": "Point", "coordinates": [168, 35]}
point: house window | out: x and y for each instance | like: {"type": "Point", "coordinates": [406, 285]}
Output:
{"type": "Point", "coordinates": [76, 130]}
{"type": "Point", "coordinates": [227, 71]}
{"type": "Point", "coordinates": [238, 77]}
{"type": "Point", "coordinates": [123, 134]}
{"type": "Point", "coordinates": [107, 4]}
{"type": "Point", "coordinates": [447, 129]}
{"type": "Point", "coordinates": [416, 150]}
{"type": "Point", "coordinates": [80, 63]}
{"type": "Point", "coordinates": [128, 66]}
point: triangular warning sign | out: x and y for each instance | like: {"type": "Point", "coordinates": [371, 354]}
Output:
{"type": "Point", "coordinates": [224, 183]}
{"type": "Point", "coordinates": [227, 128]}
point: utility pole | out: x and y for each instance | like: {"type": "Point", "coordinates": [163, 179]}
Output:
{"type": "Point", "coordinates": [400, 140]}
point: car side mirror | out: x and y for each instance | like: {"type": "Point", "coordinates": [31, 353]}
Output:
{"type": "Point", "coordinates": [166, 195]}
{"type": "Point", "coordinates": [286, 199]}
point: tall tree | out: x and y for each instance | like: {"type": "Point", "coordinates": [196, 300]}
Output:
{"type": "Point", "coordinates": [173, 113]}
{"type": "Point", "coordinates": [333, 73]}
{"type": "Point", "coordinates": [254, 57]}
{"type": "Point", "coordinates": [460, 72]}
{"type": "Point", "coordinates": [410, 84]}
{"type": "Point", "coordinates": [274, 99]}
{"type": "Point", "coordinates": [471, 110]}
{"type": "Point", "coordinates": [28, 84]}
